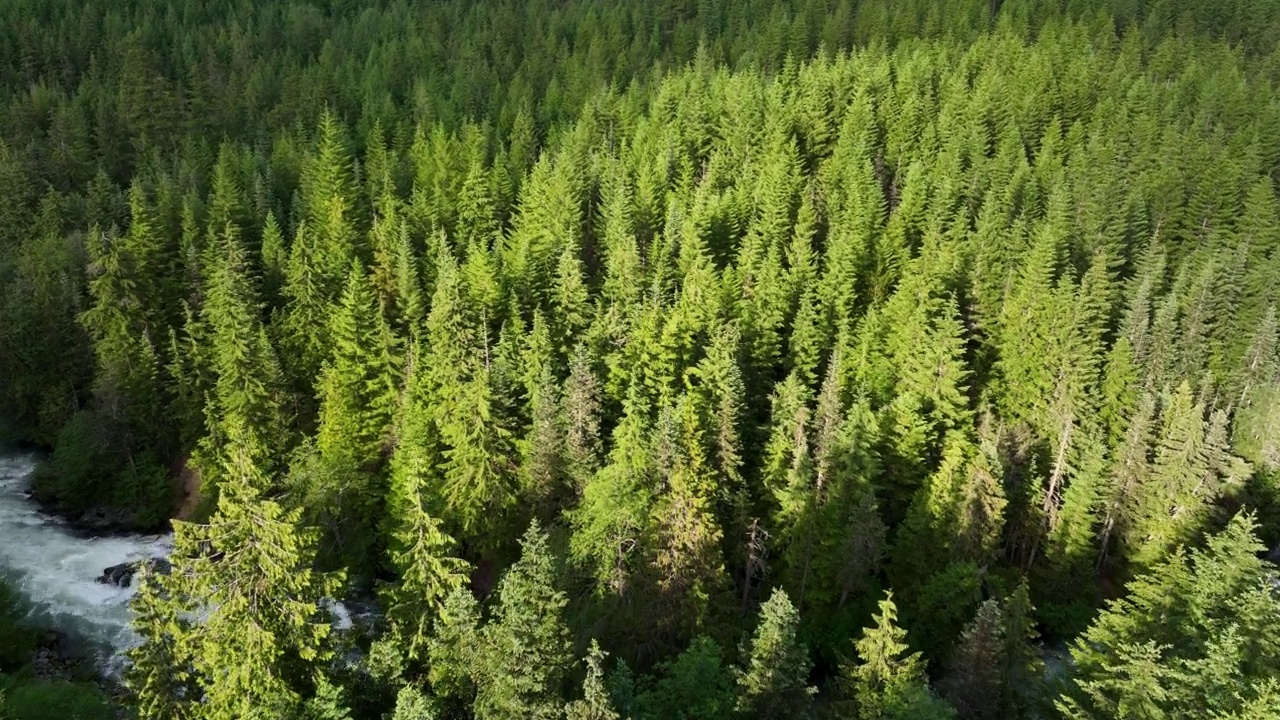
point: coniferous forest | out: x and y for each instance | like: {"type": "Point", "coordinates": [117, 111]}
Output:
{"type": "Point", "coordinates": [728, 359]}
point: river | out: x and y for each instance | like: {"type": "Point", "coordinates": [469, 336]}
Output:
{"type": "Point", "coordinates": [56, 568]}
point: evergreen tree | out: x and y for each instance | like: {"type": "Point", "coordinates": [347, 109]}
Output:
{"type": "Point", "coordinates": [159, 678]}
{"type": "Point", "coordinates": [246, 407]}
{"type": "Point", "coordinates": [595, 703]}
{"type": "Point", "coordinates": [526, 645]}
{"type": "Point", "coordinates": [455, 650]}
{"type": "Point", "coordinates": [610, 521]}
{"type": "Point", "coordinates": [1194, 636]}
{"type": "Point", "coordinates": [424, 555]}
{"type": "Point", "coordinates": [128, 362]}
{"type": "Point", "coordinates": [252, 650]}
{"type": "Point", "coordinates": [413, 704]}
{"type": "Point", "coordinates": [357, 387]}
{"type": "Point", "coordinates": [886, 682]}
{"type": "Point", "coordinates": [974, 678]}
{"type": "Point", "coordinates": [773, 684]}
{"type": "Point", "coordinates": [303, 322]}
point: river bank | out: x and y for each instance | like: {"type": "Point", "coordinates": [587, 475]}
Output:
{"type": "Point", "coordinates": [56, 564]}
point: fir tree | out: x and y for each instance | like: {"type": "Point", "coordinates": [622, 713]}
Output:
{"type": "Point", "coordinates": [246, 406]}
{"type": "Point", "coordinates": [158, 678]}
{"type": "Point", "coordinates": [251, 648]}
{"type": "Point", "coordinates": [357, 387]}
{"type": "Point", "coordinates": [421, 551]}
{"type": "Point", "coordinates": [526, 645]}
{"type": "Point", "coordinates": [1195, 635]}
{"type": "Point", "coordinates": [886, 682]}
{"type": "Point", "coordinates": [974, 676]}
{"type": "Point", "coordinates": [595, 703]}
{"type": "Point", "coordinates": [773, 684]}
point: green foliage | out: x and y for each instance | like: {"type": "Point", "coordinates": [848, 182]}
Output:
{"type": "Point", "coordinates": [887, 682]}
{"type": "Point", "coordinates": [595, 703]}
{"type": "Point", "coordinates": [694, 684]}
{"type": "Point", "coordinates": [157, 678]}
{"type": "Point", "coordinates": [1195, 635]}
{"type": "Point", "coordinates": [793, 299]}
{"type": "Point", "coordinates": [16, 638]}
{"type": "Point", "coordinates": [50, 699]}
{"type": "Point", "coordinates": [249, 649]}
{"type": "Point", "coordinates": [413, 704]}
{"type": "Point", "coordinates": [774, 682]}
{"type": "Point", "coordinates": [525, 647]}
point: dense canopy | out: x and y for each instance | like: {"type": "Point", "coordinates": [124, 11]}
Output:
{"type": "Point", "coordinates": [803, 358]}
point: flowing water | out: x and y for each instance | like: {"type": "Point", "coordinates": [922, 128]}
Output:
{"type": "Point", "coordinates": [56, 568]}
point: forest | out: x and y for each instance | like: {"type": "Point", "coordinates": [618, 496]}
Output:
{"type": "Point", "coordinates": [685, 359]}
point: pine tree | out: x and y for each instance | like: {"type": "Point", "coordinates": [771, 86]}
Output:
{"type": "Point", "coordinates": [886, 682]}
{"type": "Point", "coordinates": [158, 677]}
{"type": "Point", "coordinates": [1185, 477]}
{"type": "Point", "coordinates": [774, 682]}
{"type": "Point", "coordinates": [275, 258]}
{"type": "Point", "coordinates": [526, 645]}
{"type": "Point", "coordinates": [595, 703]}
{"type": "Point", "coordinates": [569, 297]}
{"type": "Point", "coordinates": [123, 337]}
{"type": "Point", "coordinates": [248, 647]}
{"type": "Point", "coordinates": [477, 482]}
{"type": "Point", "coordinates": [303, 321]}
{"type": "Point", "coordinates": [327, 703]}
{"type": "Point", "coordinates": [1023, 686]}
{"type": "Point", "coordinates": [413, 704]}
{"type": "Point", "coordinates": [687, 555]}
{"type": "Point", "coordinates": [580, 407]}
{"type": "Point", "coordinates": [543, 464]}
{"type": "Point", "coordinates": [329, 201]}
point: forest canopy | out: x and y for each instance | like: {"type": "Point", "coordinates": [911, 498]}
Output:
{"type": "Point", "coordinates": [803, 358]}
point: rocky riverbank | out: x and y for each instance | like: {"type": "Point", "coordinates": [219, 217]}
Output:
{"type": "Point", "coordinates": [95, 521]}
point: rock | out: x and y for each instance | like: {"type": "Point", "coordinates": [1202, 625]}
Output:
{"type": "Point", "coordinates": [122, 575]}
{"type": "Point", "coordinates": [50, 639]}
{"type": "Point", "coordinates": [119, 575]}
{"type": "Point", "coordinates": [54, 656]}
{"type": "Point", "coordinates": [105, 520]}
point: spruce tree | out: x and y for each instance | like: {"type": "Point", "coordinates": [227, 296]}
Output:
{"type": "Point", "coordinates": [774, 682]}
{"type": "Point", "coordinates": [1194, 636]}
{"type": "Point", "coordinates": [455, 651]}
{"type": "Point", "coordinates": [251, 650]}
{"type": "Point", "coordinates": [159, 678]}
{"type": "Point", "coordinates": [886, 682]}
{"type": "Point", "coordinates": [595, 703]}
{"type": "Point", "coordinates": [526, 645]}
{"type": "Point", "coordinates": [357, 387]}
{"type": "Point", "coordinates": [247, 405]}
{"type": "Point", "coordinates": [422, 553]}
{"type": "Point", "coordinates": [974, 675]}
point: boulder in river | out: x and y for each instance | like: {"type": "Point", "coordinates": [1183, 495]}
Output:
{"type": "Point", "coordinates": [122, 575]}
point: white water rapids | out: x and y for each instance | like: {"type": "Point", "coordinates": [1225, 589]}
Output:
{"type": "Point", "coordinates": [56, 568]}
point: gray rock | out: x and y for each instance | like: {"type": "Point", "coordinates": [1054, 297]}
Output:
{"type": "Point", "coordinates": [122, 575]}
